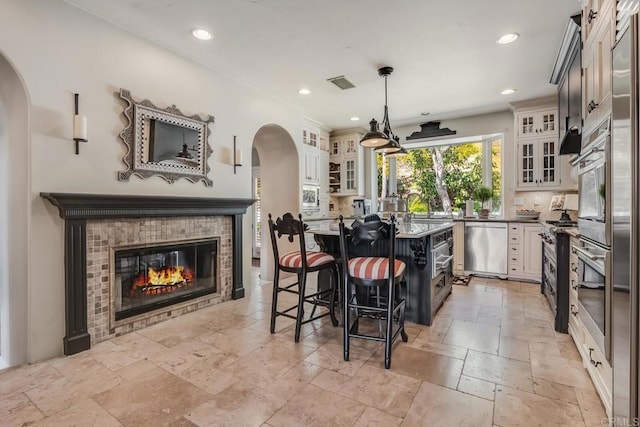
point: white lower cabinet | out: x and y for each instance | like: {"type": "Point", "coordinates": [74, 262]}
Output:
{"type": "Point", "coordinates": [593, 360]}
{"type": "Point", "coordinates": [524, 252]}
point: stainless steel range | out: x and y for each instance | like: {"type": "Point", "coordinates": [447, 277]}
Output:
{"type": "Point", "coordinates": [555, 270]}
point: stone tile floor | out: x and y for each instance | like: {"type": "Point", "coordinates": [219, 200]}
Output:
{"type": "Point", "coordinates": [484, 362]}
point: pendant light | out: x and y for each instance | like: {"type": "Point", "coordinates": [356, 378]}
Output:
{"type": "Point", "coordinates": [385, 141]}
{"type": "Point", "coordinates": [400, 152]}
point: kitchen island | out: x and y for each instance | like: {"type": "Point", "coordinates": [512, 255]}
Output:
{"type": "Point", "coordinates": [427, 251]}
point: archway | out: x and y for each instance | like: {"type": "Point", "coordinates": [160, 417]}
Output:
{"type": "Point", "coordinates": [14, 215]}
{"type": "Point", "coordinates": [279, 183]}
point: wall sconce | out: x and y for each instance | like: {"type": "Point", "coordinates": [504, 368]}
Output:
{"type": "Point", "coordinates": [79, 126]}
{"type": "Point", "coordinates": [237, 156]}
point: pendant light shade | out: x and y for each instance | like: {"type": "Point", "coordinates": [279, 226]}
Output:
{"type": "Point", "coordinates": [374, 138]}
{"type": "Point", "coordinates": [384, 142]}
{"type": "Point", "coordinates": [392, 146]}
{"type": "Point", "coordinates": [401, 151]}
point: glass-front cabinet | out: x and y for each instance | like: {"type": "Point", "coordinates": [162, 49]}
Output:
{"type": "Point", "coordinates": [346, 165]}
{"type": "Point", "coordinates": [537, 123]}
{"type": "Point", "coordinates": [538, 163]}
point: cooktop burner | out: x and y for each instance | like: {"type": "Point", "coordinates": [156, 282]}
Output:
{"type": "Point", "coordinates": [562, 223]}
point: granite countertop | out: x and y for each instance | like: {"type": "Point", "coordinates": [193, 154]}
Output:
{"type": "Point", "coordinates": [407, 231]}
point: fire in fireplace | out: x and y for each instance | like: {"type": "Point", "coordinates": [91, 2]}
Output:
{"type": "Point", "coordinates": [149, 278]}
{"type": "Point", "coordinates": [166, 279]}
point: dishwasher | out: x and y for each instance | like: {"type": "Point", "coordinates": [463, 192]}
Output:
{"type": "Point", "coordinates": [485, 248]}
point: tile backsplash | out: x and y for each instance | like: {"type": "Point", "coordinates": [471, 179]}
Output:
{"type": "Point", "coordinates": [538, 201]}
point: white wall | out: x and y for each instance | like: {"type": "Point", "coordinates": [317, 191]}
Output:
{"type": "Point", "coordinates": [14, 216]}
{"type": "Point", "coordinates": [59, 50]}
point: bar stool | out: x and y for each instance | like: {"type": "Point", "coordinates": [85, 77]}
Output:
{"type": "Point", "coordinates": [301, 263]}
{"type": "Point", "coordinates": [371, 275]}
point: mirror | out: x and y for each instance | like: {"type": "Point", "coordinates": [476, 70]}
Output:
{"type": "Point", "coordinates": [164, 142]}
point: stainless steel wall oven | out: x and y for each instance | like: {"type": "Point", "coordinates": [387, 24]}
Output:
{"type": "Point", "coordinates": [594, 291]}
{"type": "Point", "coordinates": [594, 216]}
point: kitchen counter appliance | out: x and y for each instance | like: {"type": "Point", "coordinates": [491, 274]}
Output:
{"type": "Point", "coordinates": [485, 248]}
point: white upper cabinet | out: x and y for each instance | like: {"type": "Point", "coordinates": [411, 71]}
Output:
{"type": "Point", "coordinates": [598, 38]}
{"type": "Point", "coordinates": [539, 165]}
{"type": "Point", "coordinates": [537, 123]}
{"type": "Point", "coordinates": [346, 165]}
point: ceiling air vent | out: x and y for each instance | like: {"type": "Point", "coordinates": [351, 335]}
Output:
{"type": "Point", "coordinates": [341, 82]}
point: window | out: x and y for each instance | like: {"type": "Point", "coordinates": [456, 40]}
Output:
{"type": "Point", "coordinates": [440, 176]}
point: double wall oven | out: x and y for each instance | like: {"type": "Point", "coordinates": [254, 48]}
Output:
{"type": "Point", "coordinates": [594, 249]}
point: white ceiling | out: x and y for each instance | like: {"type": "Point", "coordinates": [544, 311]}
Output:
{"type": "Point", "coordinates": [444, 52]}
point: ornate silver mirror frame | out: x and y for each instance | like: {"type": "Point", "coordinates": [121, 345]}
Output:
{"type": "Point", "coordinates": [164, 142]}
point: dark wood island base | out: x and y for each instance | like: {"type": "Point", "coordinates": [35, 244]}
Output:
{"type": "Point", "coordinates": [427, 251]}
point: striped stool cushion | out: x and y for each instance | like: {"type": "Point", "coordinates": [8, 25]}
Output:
{"type": "Point", "coordinates": [314, 259]}
{"type": "Point", "coordinates": [373, 268]}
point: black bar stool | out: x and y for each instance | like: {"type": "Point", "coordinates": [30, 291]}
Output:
{"type": "Point", "coordinates": [301, 263]}
{"type": "Point", "coordinates": [371, 274]}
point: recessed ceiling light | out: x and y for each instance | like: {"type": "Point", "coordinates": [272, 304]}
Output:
{"type": "Point", "coordinates": [508, 38]}
{"type": "Point", "coordinates": [202, 34]}
{"type": "Point", "coordinates": [425, 113]}
{"type": "Point", "coordinates": [508, 92]}
{"type": "Point", "coordinates": [354, 119]}
{"type": "Point", "coordinates": [304, 91]}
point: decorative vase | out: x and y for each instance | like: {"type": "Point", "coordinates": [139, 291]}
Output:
{"type": "Point", "coordinates": [483, 213]}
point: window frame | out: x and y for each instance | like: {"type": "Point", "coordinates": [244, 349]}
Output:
{"type": "Point", "coordinates": [487, 165]}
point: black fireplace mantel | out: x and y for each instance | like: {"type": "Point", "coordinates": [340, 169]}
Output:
{"type": "Point", "coordinates": [94, 206]}
{"type": "Point", "coordinates": [77, 208]}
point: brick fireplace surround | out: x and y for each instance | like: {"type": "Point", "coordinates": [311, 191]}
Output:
{"type": "Point", "coordinates": [96, 224]}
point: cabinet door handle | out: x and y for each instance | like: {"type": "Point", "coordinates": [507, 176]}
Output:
{"type": "Point", "coordinates": [575, 313]}
{"type": "Point", "coordinates": [592, 106]}
{"type": "Point", "coordinates": [593, 362]}
{"type": "Point", "coordinates": [591, 16]}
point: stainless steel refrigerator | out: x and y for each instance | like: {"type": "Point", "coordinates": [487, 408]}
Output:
{"type": "Point", "coordinates": [624, 206]}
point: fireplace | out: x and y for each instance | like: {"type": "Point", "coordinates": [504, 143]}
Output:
{"type": "Point", "coordinates": [149, 278]}
{"type": "Point", "coordinates": [140, 231]}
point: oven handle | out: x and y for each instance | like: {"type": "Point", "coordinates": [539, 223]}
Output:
{"type": "Point", "coordinates": [582, 157]}
{"type": "Point", "coordinates": [443, 263]}
{"type": "Point", "coordinates": [594, 261]}
{"type": "Point", "coordinates": [589, 255]}
{"type": "Point", "coordinates": [441, 244]}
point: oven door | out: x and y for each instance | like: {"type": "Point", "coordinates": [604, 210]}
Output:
{"type": "Point", "coordinates": [594, 292]}
{"type": "Point", "coordinates": [593, 187]}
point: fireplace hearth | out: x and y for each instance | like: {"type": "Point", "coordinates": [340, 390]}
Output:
{"type": "Point", "coordinates": [149, 278]}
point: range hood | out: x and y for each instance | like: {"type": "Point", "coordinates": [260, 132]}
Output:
{"type": "Point", "coordinates": [571, 142]}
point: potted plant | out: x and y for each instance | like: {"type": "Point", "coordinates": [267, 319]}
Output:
{"type": "Point", "coordinates": [483, 194]}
